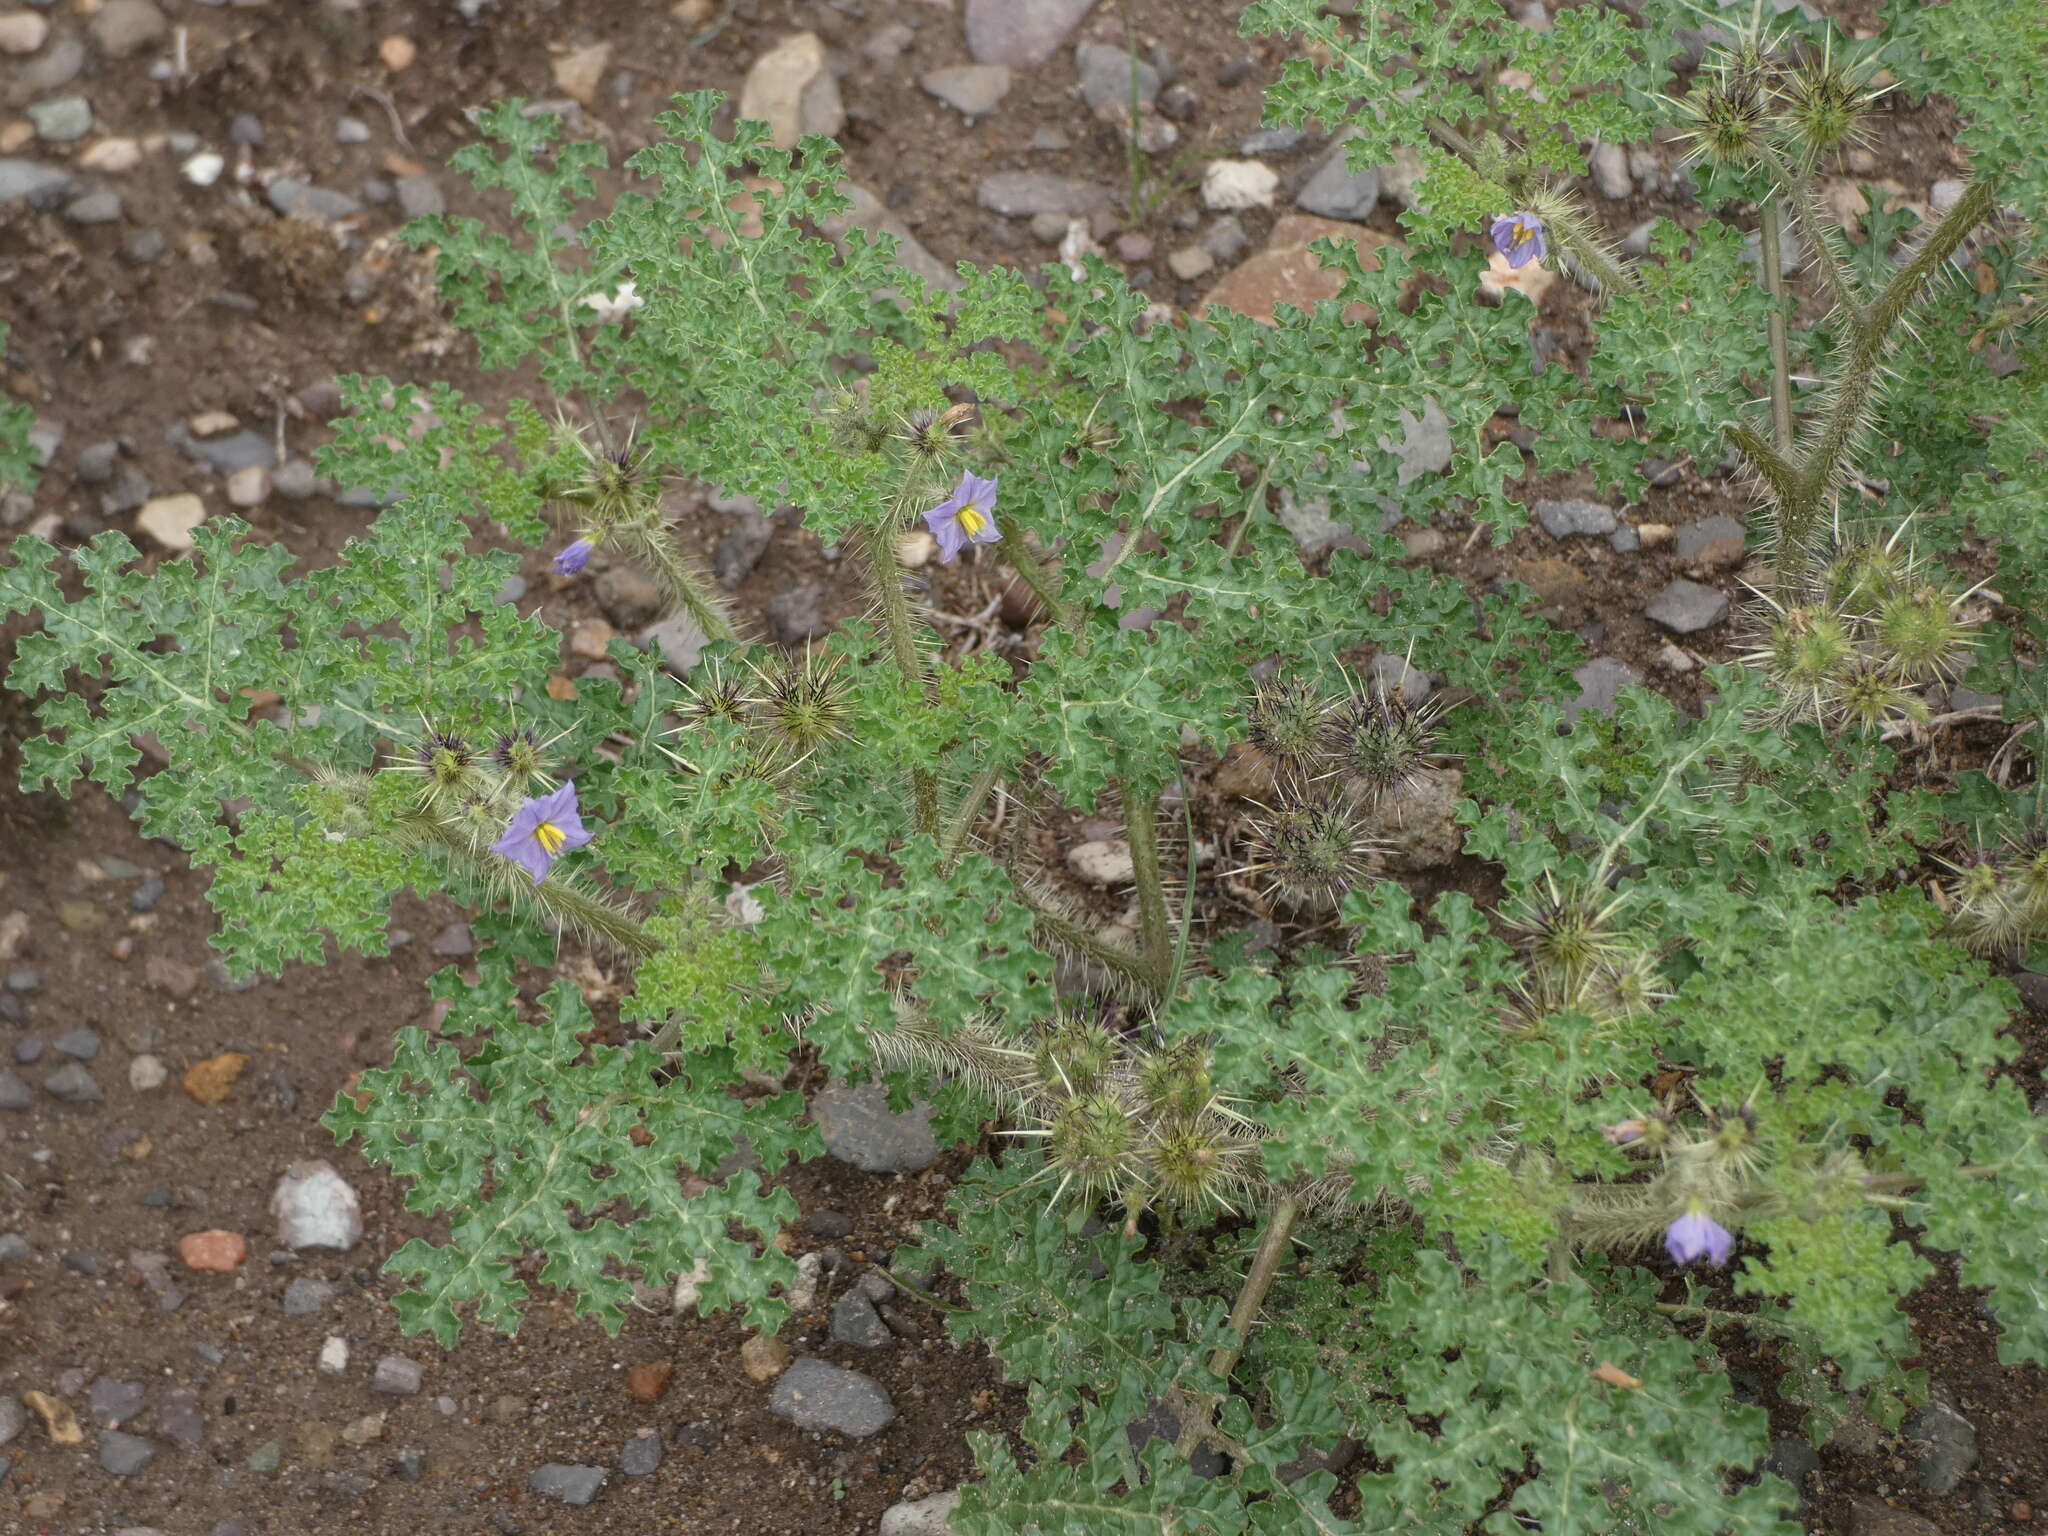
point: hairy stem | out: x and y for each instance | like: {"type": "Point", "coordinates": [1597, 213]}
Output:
{"type": "Point", "coordinates": [955, 841]}
{"type": "Point", "coordinates": [1770, 225]}
{"type": "Point", "coordinates": [1155, 928]}
{"type": "Point", "coordinates": [685, 588]}
{"type": "Point", "coordinates": [899, 625]}
{"type": "Point", "coordinates": [1798, 186]}
{"type": "Point", "coordinates": [1244, 1311]}
{"type": "Point", "coordinates": [1039, 574]}
{"type": "Point", "coordinates": [1133, 968]}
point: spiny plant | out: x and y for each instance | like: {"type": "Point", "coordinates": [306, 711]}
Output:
{"type": "Point", "coordinates": [1435, 1174]}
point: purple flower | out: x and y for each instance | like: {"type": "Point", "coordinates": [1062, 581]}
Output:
{"type": "Point", "coordinates": [969, 513]}
{"type": "Point", "coordinates": [543, 829]}
{"type": "Point", "coordinates": [1696, 1234]}
{"type": "Point", "coordinates": [1520, 238]}
{"type": "Point", "coordinates": [574, 558]}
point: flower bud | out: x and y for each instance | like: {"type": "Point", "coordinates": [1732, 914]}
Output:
{"type": "Point", "coordinates": [1288, 721]}
{"type": "Point", "coordinates": [1311, 851]}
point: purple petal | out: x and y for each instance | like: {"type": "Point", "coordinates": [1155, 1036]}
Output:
{"type": "Point", "coordinates": [977, 490]}
{"type": "Point", "coordinates": [1694, 1235]}
{"type": "Point", "coordinates": [523, 849]}
{"type": "Point", "coordinates": [945, 526]}
{"type": "Point", "coordinates": [573, 558]}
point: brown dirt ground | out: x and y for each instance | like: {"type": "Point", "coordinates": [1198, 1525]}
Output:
{"type": "Point", "coordinates": [247, 314]}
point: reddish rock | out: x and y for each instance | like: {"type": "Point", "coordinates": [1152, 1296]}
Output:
{"type": "Point", "coordinates": [174, 978]}
{"type": "Point", "coordinates": [647, 1382]}
{"type": "Point", "coordinates": [216, 1250]}
{"type": "Point", "coordinates": [1287, 272]}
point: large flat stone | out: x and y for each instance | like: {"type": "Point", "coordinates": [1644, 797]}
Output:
{"type": "Point", "coordinates": [1287, 272]}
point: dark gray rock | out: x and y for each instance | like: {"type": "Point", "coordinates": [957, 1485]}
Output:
{"type": "Point", "coordinates": [396, 1376]}
{"type": "Point", "coordinates": [44, 186]}
{"type": "Point", "coordinates": [73, 1084]}
{"type": "Point", "coordinates": [81, 1043]}
{"type": "Point", "coordinates": [570, 1484]}
{"type": "Point", "coordinates": [816, 1396]}
{"type": "Point", "coordinates": [1792, 1459]}
{"type": "Point", "coordinates": [797, 615]}
{"type": "Point", "coordinates": [1948, 1444]}
{"type": "Point", "coordinates": [700, 1434]}
{"type": "Point", "coordinates": [1021, 33]}
{"type": "Point", "coordinates": [859, 1128]}
{"type": "Point", "coordinates": [95, 462]}
{"type": "Point", "coordinates": [246, 129]}
{"type": "Point", "coordinates": [680, 639]}
{"type": "Point", "coordinates": [408, 1464]}
{"type": "Point", "coordinates": [1160, 1422]}
{"type": "Point", "coordinates": [306, 1295]}
{"type": "Point", "coordinates": [143, 247]}
{"type": "Point", "coordinates": [971, 89]}
{"type": "Point", "coordinates": [1575, 519]}
{"type": "Point", "coordinates": [224, 454]}
{"type": "Point", "coordinates": [1019, 194]}
{"type": "Point", "coordinates": [1624, 540]}
{"type": "Point", "coordinates": [61, 119]}
{"type": "Point", "coordinates": [101, 207]}
{"type": "Point", "coordinates": [113, 1403]}
{"type": "Point", "coordinates": [855, 1321]}
{"type": "Point", "coordinates": [14, 1093]}
{"type": "Point", "coordinates": [125, 1455]}
{"type": "Point", "coordinates": [641, 1454]}
{"type": "Point", "coordinates": [828, 1224]}
{"type": "Point", "coordinates": [1599, 681]}
{"type": "Point", "coordinates": [453, 942]}
{"type": "Point", "coordinates": [1336, 192]}
{"type": "Point", "coordinates": [294, 478]}
{"type": "Point", "coordinates": [419, 196]}
{"type": "Point", "coordinates": [1685, 607]}
{"type": "Point", "coordinates": [1695, 537]}
{"type": "Point", "coordinates": [1106, 77]}
{"type": "Point", "coordinates": [13, 1417]}
{"type": "Point", "coordinates": [178, 1417]}
{"type": "Point", "coordinates": [742, 547]}
{"type": "Point", "coordinates": [1271, 141]}
{"type": "Point", "coordinates": [301, 199]}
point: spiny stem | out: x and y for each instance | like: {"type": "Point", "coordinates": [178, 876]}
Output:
{"type": "Point", "coordinates": [1798, 186]}
{"type": "Point", "coordinates": [1244, 1311]}
{"type": "Point", "coordinates": [1040, 576]}
{"type": "Point", "coordinates": [899, 625]}
{"type": "Point", "coordinates": [683, 587]}
{"type": "Point", "coordinates": [1114, 957]}
{"type": "Point", "coordinates": [955, 841]}
{"type": "Point", "coordinates": [1770, 225]}
{"type": "Point", "coordinates": [1141, 826]}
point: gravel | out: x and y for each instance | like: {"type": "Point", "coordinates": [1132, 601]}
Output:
{"type": "Point", "coordinates": [1335, 192]}
{"type": "Point", "coordinates": [813, 1395]}
{"type": "Point", "coordinates": [84, 1044]}
{"type": "Point", "coordinates": [1019, 194]}
{"type": "Point", "coordinates": [113, 1403]}
{"type": "Point", "coordinates": [1685, 607]}
{"type": "Point", "coordinates": [570, 1484]}
{"type": "Point", "coordinates": [855, 1321]}
{"type": "Point", "coordinates": [1948, 1444]}
{"type": "Point", "coordinates": [859, 1128]}
{"type": "Point", "coordinates": [125, 1455]}
{"type": "Point", "coordinates": [301, 199]}
{"type": "Point", "coordinates": [641, 1454]}
{"type": "Point", "coordinates": [14, 1093]}
{"type": "Point", "coordinates": [1575, 519]}
{"type": "Point", "coordinates": [73, 1084]}
{"type": "Point", "coordinates": [396, 1376]}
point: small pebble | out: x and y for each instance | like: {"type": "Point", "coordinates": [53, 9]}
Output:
{"type": "Point", "coordinates": [216, 1250]}
{"type": "Point", "coordinates": [306, 1295]}
{"type": "Point", "coordinates": [571, 1484]}
{"type": "Point", "coordinates": [641, 1454]}
{"type": "Point", "coordinates": [82, 1043]}
{"type": "Point", "coordinates": [334, 1355]}
{"type": "Point", "coordinates": [396, 1376]}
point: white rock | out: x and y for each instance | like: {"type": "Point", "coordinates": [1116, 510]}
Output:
{"type": "Point", "coordinates": [1229, 185]}
{"type": "Point", "coordinates": [22, 32]}
{"type": "Point", "coordinates": [112, 156]}
{"type": "Point", "coordinates": [790, 89]}
{"type": "Point", "coordinates": [249, 486]}
{"type": "Point", "coordinates": [315, 1208]}
{"type": "Point", "coordinates": [1190, 263]}
{"type": "Point", "coordinates": [146, 1073]}
{"type": "Point", "coordinates": [741, 906]}
{"type": "Point", "coordinates": [804, 1289]}
{"type": "Point", "coordinates": [334, 1355]}
{"type": "Point", "coordinates": [204, 168]}
{"type": "Point", "coordinates": [1610, 171]}
{"type": "Point", "coordinates": [925, 1517]}
{"type": "Point", "coordinates": [1103, 862]}
{"type": "Point", "coordinates": [689, 1285]}
{"type": "Point", "coordinates": [170, 519]}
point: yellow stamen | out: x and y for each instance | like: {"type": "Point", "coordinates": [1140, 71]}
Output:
{"type": "Point", "coordinates": [971, 520]}
{"type": "Point", "coordinates": [550, 837]}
